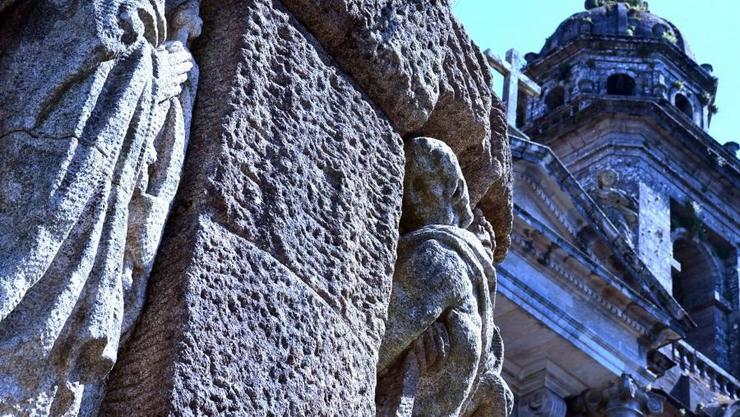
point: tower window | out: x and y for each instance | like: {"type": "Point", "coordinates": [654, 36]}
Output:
{"type": "Point", "coordinates": [699, 282]}
{"type": "Point", "coordinates": [684, 105]}
{"type": "Point", "coordinates": [694, 287]}
{"type": "Point", "coordinates": [620, 85]}
{"type": "Point", "coordinates": [555, 98]}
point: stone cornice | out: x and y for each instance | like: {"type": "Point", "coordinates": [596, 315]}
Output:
{"type": "Point", "coordinates": [568, 327]}
{"type": "Point", "coordinates": [651, 287]}
{"type": "Point", "coordinates": [594, 294]}
{"type": "Point", "coordinates": [582, 109]}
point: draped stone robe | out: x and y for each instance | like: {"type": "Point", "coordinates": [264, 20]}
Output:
{"type": "Point", "coordinates": [80, 108]}
{"type": "Point", "coordinates": [443, 273]}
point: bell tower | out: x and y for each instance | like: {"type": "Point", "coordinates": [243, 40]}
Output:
{"type": "Point", "coordinates": [626, 106]}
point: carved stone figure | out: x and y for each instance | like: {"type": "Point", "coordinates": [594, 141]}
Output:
{"type": "Point", "coordinates": [441, 352]}
{"type": "Point", "coordinates": [90, 157]}
{"type": "Point", "coordinates": [618, 205]}
{"type": "Point", "coordinates": [159, 179]}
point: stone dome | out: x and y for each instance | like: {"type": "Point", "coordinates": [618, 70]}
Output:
{"type": "Point", "coordinates": [622, 18]}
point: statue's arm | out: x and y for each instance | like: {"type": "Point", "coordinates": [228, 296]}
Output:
{"type": "Point", "coordinates": [429, 280]}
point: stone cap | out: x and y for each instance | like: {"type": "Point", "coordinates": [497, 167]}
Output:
{"type": "Point", "coordinates": [623, 18]}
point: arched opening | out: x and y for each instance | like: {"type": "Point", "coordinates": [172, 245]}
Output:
{"type": "Point", "coordinates": [555, 98]}
{"type": "Point", "coordinates": [620, 85]}
{"type": "Point", "coordinates": [695, 278]}
{"type": "Point", "coordinates": [684, 105]}
{"type": "Point", "coordinates": [695, 287]}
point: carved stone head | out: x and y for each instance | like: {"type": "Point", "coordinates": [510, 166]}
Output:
{"type": "Point", "coordinates": [185, 23]}
{"type": "Point", "coordinates": [483, 230]}
{"type": "Point", "coordinates": [607, 178]}
{"type": "Point", "coordinates": [435, 191]}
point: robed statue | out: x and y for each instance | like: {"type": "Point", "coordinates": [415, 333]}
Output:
{"type": "Point", "coordinates": [441, 353]}
{"type": "Point", "coordinates": [95, 108]}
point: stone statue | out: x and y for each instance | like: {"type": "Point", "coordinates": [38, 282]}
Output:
{"type": "Point", "coordinates": [90, 158]}
{"type": "Point", "coordinates": [158, 181]}
{"type": "Point", "coordinates": [620, 207]}
{"type": "Point", "coordinates": [441, 352]}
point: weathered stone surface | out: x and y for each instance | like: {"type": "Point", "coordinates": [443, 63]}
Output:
{"type": "Point", "coordinates": [440, 355]}
{"type": "Point", "coordinates": [420, 67]}
{"type": "Point", "coordinates": [270, 292]}
{"type": "Point", "coordinates": [91, 151]}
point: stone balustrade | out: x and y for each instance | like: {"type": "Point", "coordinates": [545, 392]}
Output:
{"type": "Point", "coordinates": [694, 363]}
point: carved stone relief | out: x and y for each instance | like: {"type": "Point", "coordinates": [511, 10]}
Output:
{"type": "Point", "coordinates": [90, 160]}
{"type": "Point", "coordinates": [618, 205]}
{"type": "Point", "coordinates": [542, 403]}
{"type": "Point", "coordinates": [623, 398]}
{"type": "Point", "coordinates": [441, 355]}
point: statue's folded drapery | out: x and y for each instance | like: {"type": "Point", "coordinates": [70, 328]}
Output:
{"type": "Point", "coordinates": [441, 354]}
{"type": "Point", "coordinates": [85, 103]}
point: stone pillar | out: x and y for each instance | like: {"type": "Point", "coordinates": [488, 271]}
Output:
{"type": "Point", "coordinates": [621, 399]}
{"type": "Point", "coordinates": [542, 403]}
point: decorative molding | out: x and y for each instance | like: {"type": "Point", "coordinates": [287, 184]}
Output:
{"type": "Point", "coordinates": [547, 202]}
{"type": "Point", "coordinates": [542, 403]}
{"type": "Point", "coordinates": [542, 374]}
{"type": "Point", "coordinates": [621, 399]}
{"type": "Point", "coordinates": [588, 293]}
{"type": "Point", "coordinates": [568, 327]}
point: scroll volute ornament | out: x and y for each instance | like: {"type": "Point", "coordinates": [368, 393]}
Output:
{"type": "Point", "coordinates": [623, 398]}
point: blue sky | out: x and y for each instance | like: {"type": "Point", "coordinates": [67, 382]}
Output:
{"type": "Point", "coordinates": [712, 28]}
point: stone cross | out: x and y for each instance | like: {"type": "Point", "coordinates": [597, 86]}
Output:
{"type": "Point", "coordinates": [514, 80]}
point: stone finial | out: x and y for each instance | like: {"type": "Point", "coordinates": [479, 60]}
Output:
{"type": "Point", "coordinates": [638, 4]}
{"type": "Point", "coordinates": [732, 147]}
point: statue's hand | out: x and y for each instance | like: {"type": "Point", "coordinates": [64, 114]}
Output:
{"type": "Point", "coordinates": [432, 346]}
{"type": "Point", "coordinates": [177, 63]}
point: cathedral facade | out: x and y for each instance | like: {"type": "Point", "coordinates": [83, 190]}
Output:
{"type": "Point", "coordinates": [620, 294]}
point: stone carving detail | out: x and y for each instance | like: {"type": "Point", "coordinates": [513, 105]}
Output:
{"type": "Point", "coordinates": [91, 154]}
{"type": "Point", "coordinates": [618, 205]}
{"type": "Point", "coordinates": [723, 410]}
{"type": "Point", "coordinates": [542, 403]}
{"type": "Point", "coordinates": [621, 399]}
{"type": "Point", "coordinates": [441, 354]}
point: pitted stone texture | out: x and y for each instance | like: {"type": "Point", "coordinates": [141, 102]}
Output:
{"type": "Point", "coordinates": [251, 349]}
{"type": "Point", "coordinates": [420, 67]}
{"type": "Point", "coordinates": [295, 181]}
{"type": "Point", "coordinates": [394, 49]}
{"type": "Point", "coordinates": [497, 203]}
